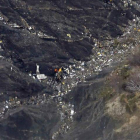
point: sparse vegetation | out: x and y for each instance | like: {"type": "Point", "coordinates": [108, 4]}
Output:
{"type": "Point", "coordinates": [116, 43]}
{"type": "Point", "coordinates": [107, 92]}
{"type": "Point", "coordinates": [125, 72]}
{"type": "Point", "coordinates": [129, 101]}
{"type": "Point", "coordinates": [125, 80]}
{"type": "Point", "coordinates": [131, 105]}
{"type": "Point", "coordinates": [134, 84]}
{"type": "Point", "coordinates": [123, 98]}
{"type": "Point", "coordinates": [118, 77]}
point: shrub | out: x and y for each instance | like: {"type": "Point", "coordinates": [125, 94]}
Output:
{"type": "Point", "coordinates": [131, 105]}
{"type": "Point", "coordinates": [133, 84]}
{"type": "Point", "coordinates": [107, 92]}
{"type": "Point", "coordinates": [129, 101]}
{"type": "Point", "coordinates": [123, 98]}
{"type": "Point", "coordinates": [119, 77]}
{"type": "Point", "coordinates": [125, 72]}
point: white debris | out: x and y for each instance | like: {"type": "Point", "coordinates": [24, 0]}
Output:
{"type": "Point", "coordinates": [37, 69]}
{"type": "Point", "coordinates": [41, 76]}
{"type": "Point", "coordinates": [6, 106]}
{"type": "Point", "coordinates": [14, 25]}
{"type": "Point", "coordinates": [40, 34]}
{"type": "Point", "coordinates": [99, 54]}
{"type": "Point", "coordinates": [1, 18]}
{"type": "Point", "coordinates": [109, 62]}
{"type": "Point", "coordinates": [71, 76]}
{"type": "Point", "coordinates": [34, 77]}
{"type": "Point", "coordinates": [73, 71]}
{"type": "Point", "coordinates": [72, 112]}
{"type": "Point", "coordinates": [70, 66]}
{"type": "Point", "coordinates": [58, 87]}
{"type": "Point", "coordinates": [30, 28]}
{"type": "Point", "coordinates": [67, 70]}
{"type": "Point", "coordinates": [18, 102]}
{"type": "Point", "coordinates": [83, 63]}
{"type": "Point", "coordinates": [11, 68]}
{"type": "Point", "coordinates": [95, 44]}
{"type": "Point", "coordinates": [134, 20]}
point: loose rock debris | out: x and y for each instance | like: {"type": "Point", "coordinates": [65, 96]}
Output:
{"type": "Point", "coordinates": [77, 72]}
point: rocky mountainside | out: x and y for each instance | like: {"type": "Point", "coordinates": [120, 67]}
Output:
{"type": "Point", "coordinates": [92, 40]}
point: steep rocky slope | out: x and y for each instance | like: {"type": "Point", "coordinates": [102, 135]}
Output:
{"type": "Point", "coordinates": [83, 36]}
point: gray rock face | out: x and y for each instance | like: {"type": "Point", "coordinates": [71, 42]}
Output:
{"type": "Point", "coordinates": [55, 33]}
{"type": "Point", "coordinates": [50, 32]}
{"type": "Point", "coordinates": [32, 122]}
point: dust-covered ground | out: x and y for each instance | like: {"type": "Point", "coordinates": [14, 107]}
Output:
{"type": "Point", "coordinates": [90, 39]}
